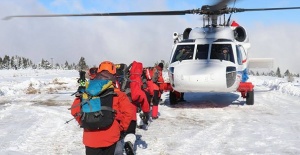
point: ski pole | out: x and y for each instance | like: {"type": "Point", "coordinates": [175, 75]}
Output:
{"type": "Point", "coordinates": [69, 120]}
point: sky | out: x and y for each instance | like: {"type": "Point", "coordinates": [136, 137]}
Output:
{"type": "Point", "coordinates": [273, 34]}
{"type": "Point", "coordinates": [208, 123]}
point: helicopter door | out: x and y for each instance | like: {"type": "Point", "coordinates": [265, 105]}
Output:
{"type": "Point", "coordinates": [183, 52]}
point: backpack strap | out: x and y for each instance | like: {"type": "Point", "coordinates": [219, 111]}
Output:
{"type": "Point", "coordinates": [108, 109]}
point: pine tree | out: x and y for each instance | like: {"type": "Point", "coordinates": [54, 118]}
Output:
{"type": "Point", "coordinates": [278, 74]}
{"type": "Point", "coordinates": [6, 61]}
{"type": "Point", "coordinates": [272, 73]}
{"type": "Point", "coordinates": [1, 67]}
{"type": "Point", "coordinates": [66, 65]}
{"type": "Point", "coordinates": [20, 62]}
{"type": "Point", "coordinates": [287, 73]}
{"type": "Point", "coordinates": [257, 74]}
{"type": "Point", "coordinates": [82, 64]}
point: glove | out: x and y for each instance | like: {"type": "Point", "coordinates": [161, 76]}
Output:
{"type": "Point", "coordinates": [145, 117]}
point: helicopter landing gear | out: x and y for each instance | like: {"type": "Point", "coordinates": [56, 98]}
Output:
{"type": "Point", "coordinates": [174, 97]}
{"type": "Point", "coordinates": [250, 98]}
{"type": "Point", "coordinates": [246, 89]}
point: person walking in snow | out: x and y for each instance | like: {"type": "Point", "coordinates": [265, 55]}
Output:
{"type": "Point", "coordinates": [157, 78]}
{"type": "Point", "coordinates": [104, 141]}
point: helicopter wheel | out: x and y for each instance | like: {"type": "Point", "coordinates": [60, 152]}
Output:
{"type": "Point", "coordinates": [250, 98]}
{"type": "Point", "coordinates": [172, 98]}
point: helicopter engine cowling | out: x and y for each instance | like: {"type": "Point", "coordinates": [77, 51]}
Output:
{"type": "Point", "coordinates": [186, 33]}
{"type": "Point", "coordinates": [240, 34]}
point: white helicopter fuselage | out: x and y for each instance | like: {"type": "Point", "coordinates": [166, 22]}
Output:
{"type": "Point", "coordinates": [204, 70]}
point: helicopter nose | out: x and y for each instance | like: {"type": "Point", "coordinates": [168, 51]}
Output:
{"type": "Point", "coordinates": [201, 77]}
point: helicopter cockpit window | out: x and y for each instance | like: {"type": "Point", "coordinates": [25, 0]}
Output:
{"type": "Point", "coordinates": [222, 52]}
{"type": "Point", "coordinates": [183, 52]}
{"type": "Point", "coordinates": [202, 51]}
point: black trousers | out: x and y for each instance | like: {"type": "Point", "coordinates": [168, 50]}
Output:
{"type": "Point", "coordinates": [132, 127]}
{"type": "Point", "coordinates": [101, 150]}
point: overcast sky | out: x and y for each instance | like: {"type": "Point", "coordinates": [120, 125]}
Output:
{"type": "Point", "coordinates": [273, 34]}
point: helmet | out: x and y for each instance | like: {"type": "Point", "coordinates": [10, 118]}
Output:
{"type": "Point", "coordinates": [107, 65]}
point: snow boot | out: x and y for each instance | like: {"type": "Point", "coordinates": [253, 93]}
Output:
{"type": "Point", "coordinates": [129, 148]}
{"type": "Point", "coordinates": [129, 141]}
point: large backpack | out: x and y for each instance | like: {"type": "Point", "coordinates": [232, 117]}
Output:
{"type": "Point", "coordinates": [136, 82]}
{"type": "Point", "coordinates": [96, 105]}
{"type": "Point", "coordinates": [132, 82]}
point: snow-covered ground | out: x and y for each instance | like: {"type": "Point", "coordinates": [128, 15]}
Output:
{"type": "Point", "coordinates": [34, 108]}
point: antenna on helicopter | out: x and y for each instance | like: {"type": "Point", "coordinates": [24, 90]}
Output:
{"type": "Point", "coordinates": [228, 20]}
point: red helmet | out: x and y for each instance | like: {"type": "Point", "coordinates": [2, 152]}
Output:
{"type": "Point", "coordinates": [107, 65]}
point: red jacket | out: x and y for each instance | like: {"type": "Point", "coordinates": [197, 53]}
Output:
{"type": "Point", "coordinates": [160, 78]}
{"type": "Point", "coordinates": [138, 95]}
{"type": "Point", "coordinates": [105, 138]}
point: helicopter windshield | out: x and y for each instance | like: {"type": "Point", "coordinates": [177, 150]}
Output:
{"type": "Point", "coordinates": [183, 52]}
{"type": "Point", "coordinates": [222, 52]}
{"type": "Point", "coordinates": [202, 51]}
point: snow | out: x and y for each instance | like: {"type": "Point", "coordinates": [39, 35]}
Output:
{"type": "Point", "coordinates": [34, 110]}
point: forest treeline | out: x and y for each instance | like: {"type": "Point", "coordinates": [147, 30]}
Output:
{"type": "Point", "coordinates": [18, 62]}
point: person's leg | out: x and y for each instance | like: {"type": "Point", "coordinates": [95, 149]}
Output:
{"type": "Point", "coordinates": [130, 138]}
{"type": "Point", "coordinates": [93, 151]}
{"type": "Point", "coordinates": [119, 147]}
{"type": "Point", "coordinates": [155, 104]}
{"type": "Point", "coordinates": [101, 150]}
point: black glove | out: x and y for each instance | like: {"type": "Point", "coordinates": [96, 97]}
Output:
{"type": "Point", "coordinates": [145, 117]}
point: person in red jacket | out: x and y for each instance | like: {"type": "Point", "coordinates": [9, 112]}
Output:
{"type": "Point", "coordinates": [157, 79]}
{"type": "Point", "coordinates": [103, 142]}
{"type": "Point", "coordinates": [153, 91]}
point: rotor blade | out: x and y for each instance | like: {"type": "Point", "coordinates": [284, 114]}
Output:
{"type": "Point", "coordinates": [220, 5]}
{"type": "Point", "coordinates": [154, 13]}
{"type": "Point", "coordinates": [263, 9]}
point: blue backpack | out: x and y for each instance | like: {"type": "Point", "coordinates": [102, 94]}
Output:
{"type": "Point", "coordinates": [96, 105]}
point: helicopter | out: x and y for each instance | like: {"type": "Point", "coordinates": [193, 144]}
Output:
{"type": "Point", "coordinates": [198, 62]}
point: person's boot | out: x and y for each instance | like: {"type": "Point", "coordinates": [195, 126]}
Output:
{"type": "Point", "coordinates": [129, 141]}
{"type": "Point", "coordinates": [129, 148]}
